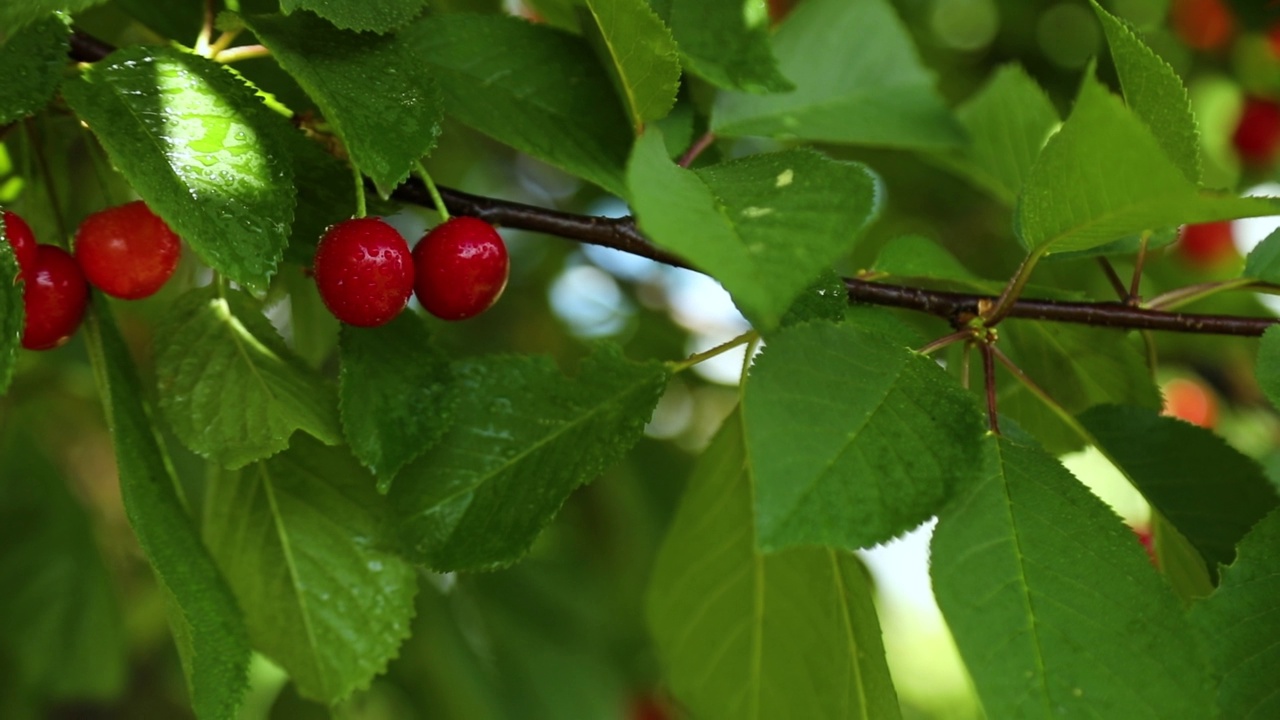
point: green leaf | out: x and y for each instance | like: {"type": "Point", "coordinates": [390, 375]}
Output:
{"type": "Point", "coordinates": [919, 258]}
{"type": "Point", "coordinates": [1078, 367]}
{"type": "Point", "coordinates": [534, 88]}
{"type": "Point", "coordinates": [12, 311]}
{"type": "Point", "coordinates": [1180, 562]}
{"type": "Point", "coordinates": [1054, 605]}
{"type": "Point", "coordinates": [1210, 491]}
{"type": "Point", "coordinates": [17, 14]}
{"type": "Point", "coordinates": [858, 81]}
{"type": "Point", "coordinates": [1154, 93]}
{"type": "Point", "coordinates": [396, 394]}
{"type": "Point", "coordinates": [642, 57]}
{"type": "Point", "coordinates": [325, 197]}
{"type": "Point", "coordinates": [229, 387]}
{"type": "Point", "coordinates": [1263, 262]}
{"type": "Point", "coordinates": [765, 225]}
{"type": "Point", "coordinates": [207, 626]}
{"type": "Point", "coordinates": [1268, 368]}
{"type": "Point", "coordinates": [747, 635]}
{"type": "Point", "coordinates": [59, 619]}
{"type": "Point", "coordinates": [303, 539]}
{"type": "Point", "coordinates": [1240, 627]}
{"type": "Point", "coordinates": [1103, 176]}
{"type": "Point", "coordinates": [853, 438]}
{"type": "Point", "coordinates": [524, 438]}
{"type": "Point", "coordinates": [200, 148]}
{"type": "Point", "coordinates": [379, 16]}
{"type": "Point", "coordinates": [32, 62]}
{"type": "Point", "coordinates": [825, 299]}
{"type": "Point", "coordinates": [1008, 122]}
{"type": "Point", "coordinates": [723, 44]}
{"type": "Point", "coordinates": [387, 120]}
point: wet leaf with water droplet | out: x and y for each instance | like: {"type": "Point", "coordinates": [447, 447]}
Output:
{"type": "Point", "coordinates": [482, 495]}
{"type": "Point", "coordinates": [200, 148]}
{"type": "Point", "coordinates": [396, 393]}
{"type": "Point", "coordinates": [301, 538]}
{"type": "Point", "coordinates": [229, 387]}
{"type": "Point", "coordinates": [31, 65]}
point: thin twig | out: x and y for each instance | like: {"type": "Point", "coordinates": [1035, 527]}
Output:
{"type": "Point", "coordinates": [945, 341]}
{"type": "Point", "coordinates": [242, 52]}
{"type": "Point", "coordinates": [1114, 278]}
{"type": "Point", "coordinates": [696, 149]}
{"type": "Point", "coordinates": [1135, 285]}
{"type": "Point", "coordinates": [1191, 293]}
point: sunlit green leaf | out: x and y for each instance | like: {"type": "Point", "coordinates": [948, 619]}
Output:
{"type": "Point", "coordinates": [1104, 176]}
{"type": "Point", "coordinates": [1054, 605]}
{"type": "Point", "coordinates": [748, 635]}
{"type": "Point", "coordinates": [229, 387]}
{"type": "Point", "coordinates": [853, 438]}
{"type": "Point", "coordinates": [16, 14]}
{"type": "Point", "coordinates": [765, 226]}
{"type": "Point", "coordinates": [199, 147]}
{"type": "Point", "coordinates": [524, 437]}
{"type": "Point", "coordinates": [303, 540]}
{"type": "Point", "coordinates": [1155, 94]}
{"type": "Point", "coordinates": [641, 54]}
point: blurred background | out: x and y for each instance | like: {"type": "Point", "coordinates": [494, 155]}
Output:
{"type": "Point", "coordinates": [561, 635]}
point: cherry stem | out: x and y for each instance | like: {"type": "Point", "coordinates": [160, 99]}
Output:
{"type": "Point", "coordinates": [1044, 397]}
{"type": "Point", "coordinates": [749, 336]}
{"type": "Point", "coordinates": [432, 190]}
{"type": "Point", "coordinates": [1113, 277]}
{"type": "Point", "coordinates": [946, 341]}
{"type": "Point", "coordinates": [696, 149]}
{"type": "Point", "coordinates": [1004, 304]}
{"type": "Point", "coordinates": [362, 208]}
{"type": "Point", "coordinates": [206, 30]}
{"type": "Point", "coordinates": [46, 176]}
{"type": "Point", "coordinates": [1191, 293]}
{"type": "Point", "coordinates": [243, 52]}
{"type": "Point", "coordinates": [1135, 285]}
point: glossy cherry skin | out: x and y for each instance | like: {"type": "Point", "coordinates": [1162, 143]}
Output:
{"type": "Point", "coordinates": [462, 268]}
{"type": "Point", "coordinates": [1202, 24]}
{"type": "Point", "coordinates": [22, 240]}
{"type": "Point", "coordinates": [55, 295]}
{"type": "Point", "coordinates": [127, 251]}
{"type": "Point", "coordinates": [364, 272]}
{"type": "Point", "coordinates": [1257, 134]}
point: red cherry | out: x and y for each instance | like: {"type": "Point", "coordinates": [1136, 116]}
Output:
{"type": "Point", "coordinates": [1257, 135]}
{"type": "Point", "coordinates": [1191, 401]}
{"type": "Point", "coordinates": [462, 268]}
{"type": "Point", "coordinates": [22, 240]}
{"type": "Point", "coordinates": [1207, 244]}
{"type": "Point", "coordinates": [55, 295]}
{"type": "Point", "coordinates": [127, 251]}
{"type": "Point", "coordinates": [364, 272]}
{"type": "Point", "coordinates": [1202, 24]}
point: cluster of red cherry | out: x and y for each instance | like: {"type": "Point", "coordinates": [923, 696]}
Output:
{"type": "Point", "coordinates": [124, 251]}
{"type": "Point", "coordinates": [365, 271]}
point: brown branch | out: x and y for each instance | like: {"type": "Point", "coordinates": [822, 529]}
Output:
{"type": "Point", "coordinates": [622, 234]}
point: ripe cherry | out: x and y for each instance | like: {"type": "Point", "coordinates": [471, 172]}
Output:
{"type": "Point", "coordinates": [22, 240]}
{"type": "Point", "coordinates": [55, 294]}
{"type": "Point", "coordinates": [1207, 244]}
{"type": "Point", "coordinates": [364, 272]}
{"type": "Point", "coordinates": [127, 251]}
{"type": "Point", "coordinates": [462, 268]}
{"type": "Point", "coordinates": [1202, 24]}
{"type": "Point", "coordinates": [1191, 401]}
{"type": "Point", "coordinates": [1257, 134]}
